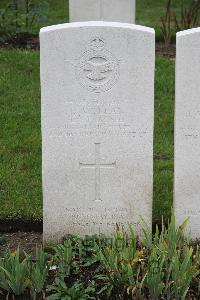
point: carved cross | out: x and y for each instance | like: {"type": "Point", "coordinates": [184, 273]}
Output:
{"type": "Point", "coordinates": [97, 166]}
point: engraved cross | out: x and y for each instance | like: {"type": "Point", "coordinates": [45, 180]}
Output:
{"type": "Point", "coordinates": [97, 166]}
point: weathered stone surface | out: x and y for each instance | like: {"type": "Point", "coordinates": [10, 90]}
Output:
{"type": "Point", "coordinates": [102, 10]}
{"type": "Point", "coordinates": [97, 82]}
{"type": "Point", "coordinates": [187, 130]}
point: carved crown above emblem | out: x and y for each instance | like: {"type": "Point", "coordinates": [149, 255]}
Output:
{"type": "Point", "coordinates": [97, 43]}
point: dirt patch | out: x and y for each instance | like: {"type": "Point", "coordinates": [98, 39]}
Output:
{"type": "Point", "coordinates": [21, 41]}
{"type": "Point", "coordinates": [166, 50]}
{"type": "Point", "coordinates": [27, 241]}
{"type": "Point", "coordinates": [20, 225]}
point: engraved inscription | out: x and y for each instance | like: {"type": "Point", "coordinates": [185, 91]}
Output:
{"type": "Point", "coordinates": [99, 117]}
{"type": "Point", "coordinates": [107, 216]}
{"type": "Point", "coordinates": [192, 212]}
{"type": "Point", "coordinates": [190, 132]}
{"type": "Point", "coordinates": [97, 166]}
{"type": "Point", "coordinates": [97, 69]}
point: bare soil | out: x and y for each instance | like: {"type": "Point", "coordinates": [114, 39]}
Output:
{"type": "Point", "coordinates": [27, 241]}
{"type": "Point", "coordinates": [166, 50]}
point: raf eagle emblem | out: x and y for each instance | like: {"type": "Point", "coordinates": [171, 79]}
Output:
{"type": "Point", "coordinates": [98, 71]}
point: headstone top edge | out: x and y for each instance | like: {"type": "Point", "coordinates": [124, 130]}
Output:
{"type": "Point", "coordinates": [184, 33]}
{"type": "Point", "coordinates": [96, 24]}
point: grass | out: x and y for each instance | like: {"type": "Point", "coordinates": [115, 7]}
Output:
{"type": "Point", "coordinates": [149, 13]}
{"type": "Point", "coordinates": [163, 137]}
{"type": "Point", "coordinates": [20, 141]}
{"type": "Point", "coordinates": [20, 136]}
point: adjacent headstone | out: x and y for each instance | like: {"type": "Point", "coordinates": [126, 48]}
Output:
{"type": "Point", "coordinates": [187, 130]}
{"type": "Point", "coordinates": [97, 81]}
{"type": "Point", "coordinates": [102, 10]}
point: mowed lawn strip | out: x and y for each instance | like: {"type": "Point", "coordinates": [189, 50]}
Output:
{"type": "Point", "coordinates": [163, 137]}
{"type": "Point", "coordinates": [20, 136]}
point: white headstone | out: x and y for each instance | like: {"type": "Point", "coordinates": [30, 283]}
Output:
{"type": "Point", "coordinates": [187, 130]}
{"type": "Point", "coordinates": [102, 10]}
{"type": "Point", "coordinates": [97, 126]}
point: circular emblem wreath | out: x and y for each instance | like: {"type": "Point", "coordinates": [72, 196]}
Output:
{"type": "Point", "coordinates": [97, 69]}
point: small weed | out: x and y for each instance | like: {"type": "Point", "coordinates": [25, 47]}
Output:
{"type": "Point", "coordinates": [60, 291]}
{"type": "Point", "coordinates": [14, 273]}
{"type": "Point", "coordinates": [38, 273]}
